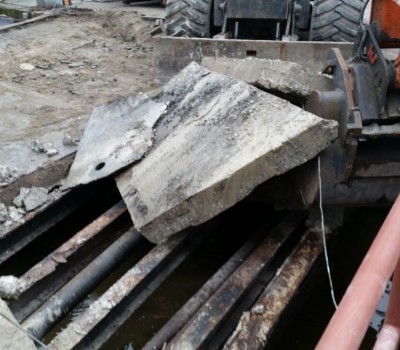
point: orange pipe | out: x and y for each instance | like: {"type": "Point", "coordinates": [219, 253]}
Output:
{"type": "Point", "coordinates": [389, 336]}
{"type": "Point", "coordinates": [350, 322]}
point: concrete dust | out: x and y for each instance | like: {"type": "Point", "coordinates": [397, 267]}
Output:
{"type": "Point", "coordinates": [80, 62]}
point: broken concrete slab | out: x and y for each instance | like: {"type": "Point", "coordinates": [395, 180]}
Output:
{"type": "Point", "coordinates": [28, 116]}
{"type": "Point", "coordinates": [218, 140]}
{"type": "Point", "coordinates": [12, 337]}
{"type": "Point", "coordinates": [271, 75]}
{"type": "Point", "coordinates": [118, 134]}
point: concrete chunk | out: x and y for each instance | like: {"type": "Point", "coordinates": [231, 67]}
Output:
{"type": "Point", "coordinates": [217, 141]}
{"type": "Point", "coordinates": [271, 75]}
{"type": "Point", "coordinates": [31, 198]}
{"type": "Point", "coordinates": [118, 134]}
{"type": "Point", "coordinates": [11, 336]}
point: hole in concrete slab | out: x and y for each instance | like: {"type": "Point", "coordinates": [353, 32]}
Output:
{"type": "Point", "coordinates": [100, 166]}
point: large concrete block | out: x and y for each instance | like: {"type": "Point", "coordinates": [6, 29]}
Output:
{"type": "Point", "coordinates": [271, 75]}
{"type": "Point", "coordinates": [217, 141]}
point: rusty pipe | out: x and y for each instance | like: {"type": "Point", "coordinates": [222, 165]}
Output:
{"type": "Point", "coordinates": [389, 336]}
{"type": "Point", "coordinates": [44, 319]}
{"type": "Point", "coordinates": [348, 325]}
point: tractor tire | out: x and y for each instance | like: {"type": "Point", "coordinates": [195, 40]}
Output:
{"type": "Point", "coordinates": [335, 20]}
{"type": "Point", "coordinates": [189, 18]}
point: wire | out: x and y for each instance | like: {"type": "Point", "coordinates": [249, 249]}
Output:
{"type": "Point", "coordinates": [24, 331]}
{"type": "Point", "coordinates": [323, 235]}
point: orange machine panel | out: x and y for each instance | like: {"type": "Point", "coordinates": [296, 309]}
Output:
{"type": "Point", "coordinates": [387, 14]}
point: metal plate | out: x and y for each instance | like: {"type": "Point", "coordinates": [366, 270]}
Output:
{"type": "Point", "coordinates": [258, 9]}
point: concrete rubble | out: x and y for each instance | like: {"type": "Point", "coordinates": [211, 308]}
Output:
{"type": "Point", "coordinates": [7, 175]}
{"type": "Point", "coordinates": [118, 134]}
{"type": "Point", "coordinates": [11, 336]}
{"type": "Point", "coordinates": [27, 200]}
{"type": "Point", "coordinates": [287, 78]}
{"type": "Point", "coordinates": [10, 215]}
{"type": "Point", "coordinates": [217, 141]}
{"type": "Point", "coordinates": [31, 198]}
{"type": "Point", "coordinates": [10, 287]}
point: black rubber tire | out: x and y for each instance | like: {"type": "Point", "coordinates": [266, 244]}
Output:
{"type": "Point", "coordinates": [188, 18]}
{"type": "Point", "coordinates": [335, 20]}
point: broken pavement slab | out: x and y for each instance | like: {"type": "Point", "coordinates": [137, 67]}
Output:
{"type": "Point", "coordinates": [218, 140]}
{"type": "Point", "coordinates": [287, 78]}
{"type": "Point", "coordinates": [11, 336]}
{"type": "Point", "coordinates": [118, 134]}
{"type": "Point", "coordinates": [26, 117]}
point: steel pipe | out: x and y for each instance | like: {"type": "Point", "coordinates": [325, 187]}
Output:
{"type": "Point", "coordinates": [213, 315]}
{"type": "Point", "coordinates": [75, 290]}
{"type": "Point", "coordinates": [348, 325]}
{"type": "Point", "coordinates": [178, 321]}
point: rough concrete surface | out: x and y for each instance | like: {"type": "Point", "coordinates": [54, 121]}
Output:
{"type": "Point", "coordinates": [117, 135]}
{"type": "Point", "coordinates": [12, 337]}
{"type": "Point", "coordinates": [218, 140]}
{"type": "Point", "coordinates": [10, 287]}
{"type": "Point", "coordinates": [31, 198]}
{"type": "Point", "coordinates": [79, 62]}
{"type": "Point", "coordinates": [271, 75]}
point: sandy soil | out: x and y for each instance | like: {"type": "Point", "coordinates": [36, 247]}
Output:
{"type": "Point", "coordinates": [89, 58]}
{"type": "Point", "coordinates": [53, 73]}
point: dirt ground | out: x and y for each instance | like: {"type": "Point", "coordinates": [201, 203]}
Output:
{"type": "Point", "coordinates": [90, 58]}
{"type": "Point", "coordinates": [53, 73]}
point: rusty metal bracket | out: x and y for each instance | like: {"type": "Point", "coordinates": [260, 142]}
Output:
{"type": "Point", "coordinates": [339, 104]}
{"type": "Point", "coordinates": [354, 130]}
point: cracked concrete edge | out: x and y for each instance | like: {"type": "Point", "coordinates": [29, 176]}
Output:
{"type": "Point", "coordinates": [48, 175]}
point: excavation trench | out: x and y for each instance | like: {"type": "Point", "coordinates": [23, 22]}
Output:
{"type": "Point", "coordinates": [108, 287]}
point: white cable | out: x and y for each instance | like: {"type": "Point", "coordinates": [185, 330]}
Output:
{"type": "Point", "coordinates": [323, 234]}
{"type": "Point", "coordinates": [24, 331]}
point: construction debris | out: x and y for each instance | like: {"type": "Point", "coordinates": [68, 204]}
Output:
{"type": "Point", "coordinates": [10, 287]}
{"type": "Point", "coordinates": [11, 214]}
{"type": "Point", "coordinates": [31, 198]}
{"type": "Point", "coordinates": [68, 140]}
{"type": "Point", "coordinates": [118, 134]}
{"type": "Point", "coordinates": [47, 148]}
{"type": "Point", "coordinates": [7, 175]}
{"type": "Point", "coordinates": [271, 75]}
{"type": "Point", "coordinates": [217, 141]}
